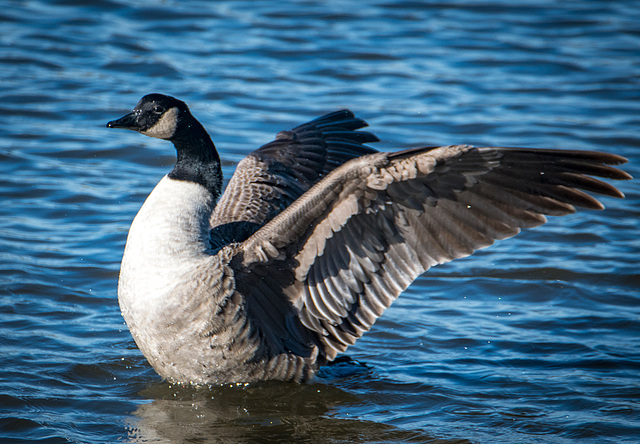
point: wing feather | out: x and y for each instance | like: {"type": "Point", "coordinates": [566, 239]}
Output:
{"type": "Point", "coordinates": [345, 250]}
{"type": "Point", "coordinates": [274, 176]}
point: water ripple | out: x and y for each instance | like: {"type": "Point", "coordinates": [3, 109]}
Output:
{"type": "Point", "coordinates": [533, 339]}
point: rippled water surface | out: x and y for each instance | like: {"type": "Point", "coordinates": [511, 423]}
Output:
{"type": "Point", "coordinates": [536, 339]}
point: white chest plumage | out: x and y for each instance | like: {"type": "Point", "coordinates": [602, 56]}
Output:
{"type": "Point", "coordinates": [165, 266]}
{"type": "Point", "coordinates": [170, 231]}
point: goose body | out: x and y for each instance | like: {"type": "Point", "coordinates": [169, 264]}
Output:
{"type": "Point", "coordinates": [314, 237]}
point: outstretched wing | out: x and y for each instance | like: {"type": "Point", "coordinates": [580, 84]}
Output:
{"type": "Point", "coordinates": [272, 177]}
{"type": "Point", "coordinates": [321, 273]}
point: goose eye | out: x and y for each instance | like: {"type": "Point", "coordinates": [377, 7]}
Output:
{"type": "Point", "coordinates": [158, 109]}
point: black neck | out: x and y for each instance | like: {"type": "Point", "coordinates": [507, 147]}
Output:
{"type": "Point", "coordinates": [198, 161]}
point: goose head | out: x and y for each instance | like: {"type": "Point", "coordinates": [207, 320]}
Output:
{"type": "Point", "coordinates": [165, 117]}
{"type": "Point", "coordinates": [156, 115]}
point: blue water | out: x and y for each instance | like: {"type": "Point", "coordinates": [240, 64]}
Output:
{"type": "Point", "coordinates": [536, 339]}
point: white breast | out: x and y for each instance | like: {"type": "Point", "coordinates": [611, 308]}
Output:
{"type": "Point", "coordinates": [166, 248]}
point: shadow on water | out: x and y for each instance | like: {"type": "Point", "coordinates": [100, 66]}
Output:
{"type": "Point", "coordinates": [266, 412]}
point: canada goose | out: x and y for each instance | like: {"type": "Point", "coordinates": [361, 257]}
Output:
{"type": "Point", "coordinates": [314, 237]}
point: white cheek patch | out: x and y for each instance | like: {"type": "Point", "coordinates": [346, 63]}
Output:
{"type": "Point", "coordinates": [165, 127]}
